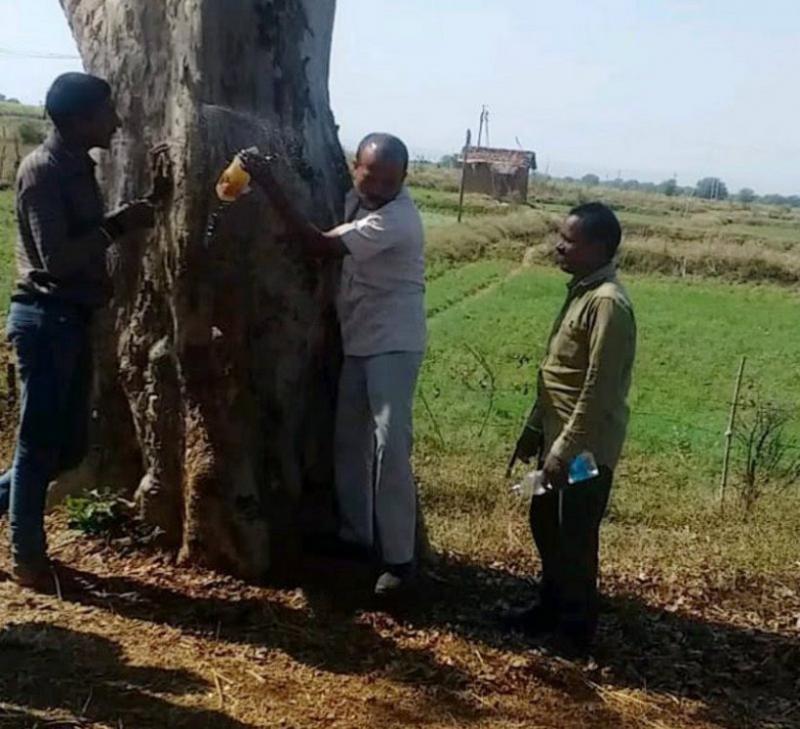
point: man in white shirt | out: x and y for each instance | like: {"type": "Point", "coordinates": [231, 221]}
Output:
{"type": "Point", "coordinates": [382, 315]}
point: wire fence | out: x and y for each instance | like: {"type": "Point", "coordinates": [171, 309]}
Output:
{"type": "Point", "coordinates": [16, 53]}
{"type": "Point", "coordinates": [477, 417]}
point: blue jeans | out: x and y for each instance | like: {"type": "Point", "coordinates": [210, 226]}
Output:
{"type": "Point", "coordinates": [54, 354]}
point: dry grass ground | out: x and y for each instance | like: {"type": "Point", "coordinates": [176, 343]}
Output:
{"type": "Point", "coordinates": [133, 641]}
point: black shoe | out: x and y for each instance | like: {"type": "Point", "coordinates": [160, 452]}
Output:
{"type": "Point", "coordinates": [333, 547]}
{"type": "Point", "coordinates": [534, 620]}
{"type": "Point", "coordinates": [576, 637]}
{"type": "Point", "coordinates": [394, 579]}
{"type": "Point", "coordinates": [38, 576]}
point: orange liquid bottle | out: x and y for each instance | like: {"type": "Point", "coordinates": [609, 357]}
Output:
{"type": "Point", "coordinates": [234, 181]}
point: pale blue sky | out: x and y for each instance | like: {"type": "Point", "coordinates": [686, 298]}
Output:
{"type": "Point", "coordinates": [646, 88]}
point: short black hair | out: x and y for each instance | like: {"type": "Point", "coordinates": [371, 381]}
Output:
{"type": "Point", "coordinates": [388, 147]}
{"type": "Point", "coordinates": [75, 94]}
{"type": "Point", "coordinates": [600, 224]}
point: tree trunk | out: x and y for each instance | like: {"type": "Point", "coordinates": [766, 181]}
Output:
{"type": "Point", "coordinates": [217, 358]}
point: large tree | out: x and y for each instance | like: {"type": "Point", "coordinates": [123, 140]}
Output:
{"type": "Point", "coordinates": [711, 188]}
{"type": "Point", "coordinates": [217, 358]}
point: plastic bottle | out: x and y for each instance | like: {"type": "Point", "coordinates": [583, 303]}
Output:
{"type": "Point", "coordinates": [235, 180]}
{"type": "Point", "coordinates": [582, 468]}
{"type": "Point", "coordinates": [532, 484]}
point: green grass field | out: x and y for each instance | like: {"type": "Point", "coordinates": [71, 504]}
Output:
{"type": "Point", "coordinates": [487, 321]}
{"type": "Point", "coordinates": [10, 109]}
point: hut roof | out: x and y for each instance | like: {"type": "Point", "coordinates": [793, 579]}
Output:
{"type": "Point", "coordinates": [505, 157]}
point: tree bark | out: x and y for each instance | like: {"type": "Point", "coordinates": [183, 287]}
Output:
{"type": "Point", "coordinates": [218, 358]}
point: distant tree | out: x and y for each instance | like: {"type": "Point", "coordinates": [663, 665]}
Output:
{"type": "Point", "coordinates": [2, 97]}
{"type": "Point", "coordinates": [591, 180]}
{"type": "Point", "coordinates": [13, 101]}
{"type": "Point", "coordinates": [669, 187]}
{"type": "Point", "coordinates": [569, 179]}
{"type": "Point", "coordinates": [449, 160]}
{"type": "Point", "coordinates": [30, 133]}
{"type": "Point", "coordinates": [711, 188]}
{"type": "Point", "coordinates": [746, 195]}
{"type": "Point", "coordinates": [792, 201]}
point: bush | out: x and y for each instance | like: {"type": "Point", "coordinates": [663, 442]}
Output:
{"type": "Point", "coordinates": [746, 195]}
{"type": "Point", "coordinates": [768, 453]}
{"type": "Point", "coordinates": [31, 133]}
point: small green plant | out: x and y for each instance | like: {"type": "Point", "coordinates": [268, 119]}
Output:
{"type": "Point", "coordinates": [98, 512]}
{"type": "Point", "coordinates": [769, 453]}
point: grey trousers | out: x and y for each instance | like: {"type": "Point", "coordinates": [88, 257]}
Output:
{"type": "Point", "coordinates": [374, 437]}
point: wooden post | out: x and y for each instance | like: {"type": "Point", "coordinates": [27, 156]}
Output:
{"type": "Point", "coordinates": [463, 174]}
{"type": "Point", "coordinates": [729, 433]}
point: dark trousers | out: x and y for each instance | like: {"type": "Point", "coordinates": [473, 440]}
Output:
{"type": "Point", "coordinates": [53, 346]}
{"type": "Point", "coordinates": [566, 528]}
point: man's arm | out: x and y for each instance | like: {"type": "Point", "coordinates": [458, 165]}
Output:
{"type": "Point", "coordinates": [609, 343]}
{"type": "Point", "coordinates": [318, 243]}
{"type": "Point", "coordinates": [63, 255]}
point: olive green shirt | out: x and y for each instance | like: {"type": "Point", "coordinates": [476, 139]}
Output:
{"type": "Point", "coordinates": [586, 373]}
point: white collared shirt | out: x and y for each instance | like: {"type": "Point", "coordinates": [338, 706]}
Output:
{"type": "Point", "coordinates": [382, 294]}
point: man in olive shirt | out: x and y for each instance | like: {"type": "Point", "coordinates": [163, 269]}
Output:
{"type": "Point", "coordinates": [61, 260]}
{"type": "Point", "coordinates": [580, 406]}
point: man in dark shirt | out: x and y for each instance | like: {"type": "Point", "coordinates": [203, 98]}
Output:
{"type": "Point", "coordinates": [61, 260]}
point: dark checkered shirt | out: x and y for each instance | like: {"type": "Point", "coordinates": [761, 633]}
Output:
{"type": "Point", "coordinates": [61, 251]}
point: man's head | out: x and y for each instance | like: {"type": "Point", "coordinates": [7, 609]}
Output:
{"type": "Point", "coordinates": [81, 108]}
{"type": "Point", "coordinates": [380, 169]}
{"type": "Point", "coordinates": [589, 239]}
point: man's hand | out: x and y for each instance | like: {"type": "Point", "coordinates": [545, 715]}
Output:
{"type": "Point", "coordinates": [137, 215]}
{"type": "Point", "coordinates": [529, 445]}
{"type": "Point", "coordinates": [259, 167]}
{"type": "Point", "coordinates": [556, 472]}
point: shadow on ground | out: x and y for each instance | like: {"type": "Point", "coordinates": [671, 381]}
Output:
{"type": "Point", "coordinates": [82, 677]}
{"type": "Point", "coordinates": [328, 637]}
{"type": "Point", "coordinates": [742, 677]}
{"type": "Point", "coordinates": [745, 677]}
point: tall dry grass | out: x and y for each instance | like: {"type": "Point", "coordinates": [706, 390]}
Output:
{"type": "Point", "coordinates": [731, 261]}
{"type": "Point", "coordinates": [505, 236]}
